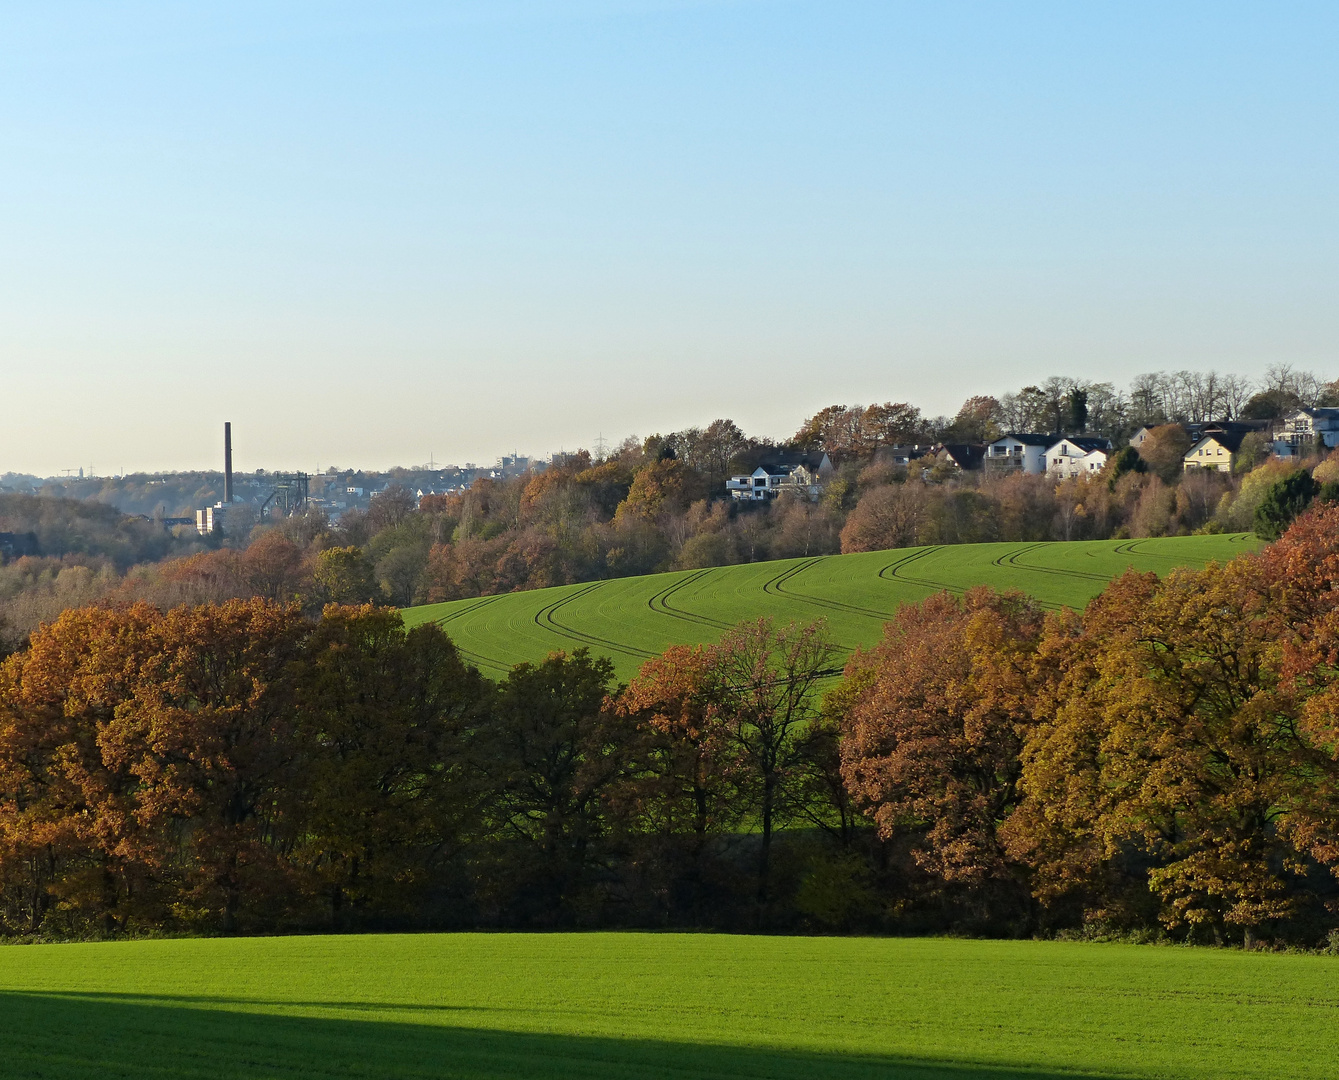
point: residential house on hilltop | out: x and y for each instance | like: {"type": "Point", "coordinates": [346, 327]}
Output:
{"type": "Point", "coordinates": [961, 456]}
{"type": "Point", "coordinates": [802, 475]}
{"type": "Point", "coordinates": [1077, 455]}
{"type": "Point", "coordinates": [901, 453]}
{"type": "Point", "coordinates": [1019, 450]}
{"type": "Point", "coordinates": [1198, 431]}
{"type": "Point", "coordinates": [1216, 449]}
{"type": "Point", "coordinates": [1303, 429]}
{"type": "Point", "coordinates": [1193, 430]}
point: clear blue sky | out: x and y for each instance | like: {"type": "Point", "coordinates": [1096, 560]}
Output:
{"type": "Point", "coordinates": [367, 233]}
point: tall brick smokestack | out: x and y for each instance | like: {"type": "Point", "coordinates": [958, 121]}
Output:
{"type": "Point", "coordinates": [227, 464]}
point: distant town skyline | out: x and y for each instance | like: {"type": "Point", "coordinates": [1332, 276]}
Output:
{"type": "Point", "coordinates": [461, 229]}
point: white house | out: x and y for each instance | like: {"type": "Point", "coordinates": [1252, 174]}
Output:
{"type": "Point", "coordinates": [803, 476]}
{"type": "Point", "coordinates": [1019, 450]}
{"type": "Point", "coordinates": [1300, 428]}
{"type": "Point", "coordinates": [1093, 462]}
{"type": "Point", "coordinates": [761, 484]}
{"type": "Point", "coordinates": [1076, 455]}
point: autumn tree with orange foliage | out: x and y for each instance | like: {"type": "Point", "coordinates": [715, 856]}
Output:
{"type": "Point", "coordinates": [68, 835]}
{"type": "Point", "coordinates": [1171, 737]}
{"type": "Point", "coordinates": [681, 795]}
{"type": "Point", "coordinates": [1304, 569]}
{"type": "Point", "coordinates": [932, 742]}
{"type": "Point", "coordinates": [228, 767]}
{"type": "Point", "coordinates": [207, 733]}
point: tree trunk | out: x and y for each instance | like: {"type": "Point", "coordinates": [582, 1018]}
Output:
{"type": "Point", "coordinates": [765, 850]}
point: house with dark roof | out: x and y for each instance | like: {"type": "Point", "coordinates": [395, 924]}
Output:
{"type": "Point", "coordinates": [1021, 450]}
{"type": "Point", "coordinates": [1303, 429]}
{"type": "Point", "coordinates": [1215, 450]}
{"type": "Point", "coordinates": [901, 453]}
{"type": "Point", "coordinates": [1076, 455]}
{"type": "Point", "coordinates": [800, 474]}
{"type": "Point", "coordinates": [964, 456]}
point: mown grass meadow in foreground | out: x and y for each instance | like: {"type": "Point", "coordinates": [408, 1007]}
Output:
{"type": "Point", "coordinates": [661, 1005]}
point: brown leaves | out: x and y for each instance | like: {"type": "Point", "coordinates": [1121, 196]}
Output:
{"type": "Point", "coordinates": [1169, 732]}
{"type": "Point", "coordinates": [182, 768]}
{"type": "Point", "coordinates": [932, 744]}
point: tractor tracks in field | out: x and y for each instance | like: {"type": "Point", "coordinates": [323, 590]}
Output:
{"type": "Point", "coordinates": [475, 658]}
{"type": "Point", "coordinates": [1133, 547]}
{"type": "Point", "coordinates": [660, 602]}
{"type": "Point", "coordinates": [1011, 559]}
{"type": "Point", "coordinates": [777, 587]}
{"type": "Point", "coordinates": [546, 618]}
{"type": "Point", "coordinates": [896, 571]}
{"type": "Point", "coordinates": [553, 619]}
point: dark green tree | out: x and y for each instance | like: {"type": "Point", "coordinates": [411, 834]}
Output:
{"type": "Point", "coordinates": [1125, 460]}
{"type": "Point", "coordinates": [386, 718]}
{"type": "Point", "coordinates": [1284, 500]}
{"type": "Point", "coordinates": [1077, 404]}
{"type": "Point", "coordinates": [551, 751]}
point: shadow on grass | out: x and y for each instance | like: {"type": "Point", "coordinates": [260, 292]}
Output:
{"type": "Point", "coordinates": [62, 1037]}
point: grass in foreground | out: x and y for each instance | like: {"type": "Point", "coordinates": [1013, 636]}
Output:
{"type": "Point", "coordinates": [661, 1005]}
{"type": "Point", "coordinates": [631, 619]}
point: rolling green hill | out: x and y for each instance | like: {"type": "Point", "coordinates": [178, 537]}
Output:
{"type": "Point", "coordinates": [563, 1006]}
{"type": "Point", "coordinates": [631, 619]}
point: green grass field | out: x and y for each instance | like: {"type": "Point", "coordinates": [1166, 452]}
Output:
{"type": "Point", "coordinates": [660, 1006]}
{"type": "Point", "coordinates": [631, 619]}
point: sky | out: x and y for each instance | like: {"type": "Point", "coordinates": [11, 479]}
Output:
{"type": "Point", "coordinates": [375, 234]}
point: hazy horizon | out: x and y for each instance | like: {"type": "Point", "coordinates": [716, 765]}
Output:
{"type": "Point", "coordinates": [464, 229]}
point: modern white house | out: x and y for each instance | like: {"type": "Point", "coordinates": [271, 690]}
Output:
{"type": "Point", "coordinates": [1300, 429]}
{"type": "Point", "coordinates": [1076, 455]}
{"type": "Point", "coordinates": [802, 476]}
{"type": "Point", "coordinates": [761, 484]}
{"type": "Point", "coordinates": [1025, 451]}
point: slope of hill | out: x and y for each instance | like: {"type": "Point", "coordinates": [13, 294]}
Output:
{"type": "Point", "coordinates": [631, 619]}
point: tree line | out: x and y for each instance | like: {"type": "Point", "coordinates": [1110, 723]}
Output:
{"type": "Point", "coordinates": [1165, 762]}
{"type": "Point", "coordinates": [659, 503]}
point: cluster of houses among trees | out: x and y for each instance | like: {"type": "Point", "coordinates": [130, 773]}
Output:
{"type": "Point", "coordinates": [1222, 445]}
{"type": "Point", "coordinates": [1068, 460]}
